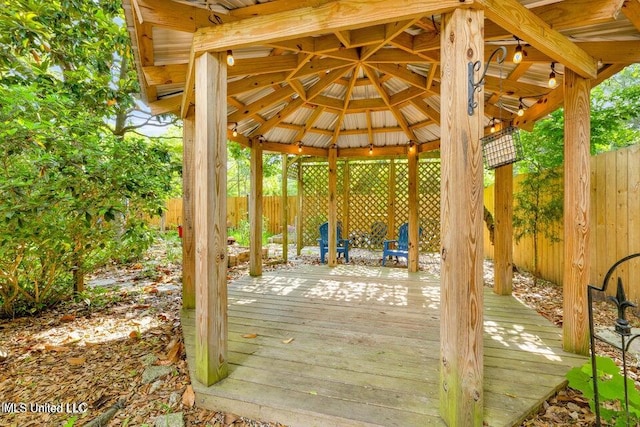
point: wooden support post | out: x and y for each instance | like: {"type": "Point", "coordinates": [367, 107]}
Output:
{"type": "Point", "coordinates": [503, 249]}
{"type": "Point", "coordinates": [461, 297]}
{"type": "Point", "coordinates": [300, 199]}
{"type": "Point", "coordinates": [188, 243]}
{"type": "Point", "coordinates": [285, 208]}
{"type": "Point", "coordinates": [333, 208]}
{"type": "Point", "coordinates": [577, 177]}
{"type": "Point", "coordinates": [210, 217]}
{"type": "Point", "coordinates": [346, 226]}
{"type": "Point", "coordinates": [391, 210]}
{"type": "Point", "coordinates": [255, 210]}
{"type": "Point", "coordinates": [414, 225]}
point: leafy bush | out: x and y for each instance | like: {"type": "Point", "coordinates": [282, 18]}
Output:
{"type": "Point", "coordinates": [610, 391]}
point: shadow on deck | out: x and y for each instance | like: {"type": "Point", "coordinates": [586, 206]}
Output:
{"type": "Point", "coordinates": [359, 346]}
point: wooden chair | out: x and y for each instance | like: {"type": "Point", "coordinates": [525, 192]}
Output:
{"type": "Point", "coordinates": [399, 247]}
{"type": "Point", "coordinates": [323, 242]}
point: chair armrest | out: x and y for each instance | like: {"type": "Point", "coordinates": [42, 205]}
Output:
{"type": "Point", "coordinates": [344, 242]}
{"type": "Point", "coordinates": [388, 243]}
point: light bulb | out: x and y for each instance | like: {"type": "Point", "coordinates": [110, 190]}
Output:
{"type": "Point", "coordinates": [552, 80]}
{"type": "Point", "coordinates": [230, 59]}
{"type": "Point", "coordinates": [518, 55]}
{"type": "Point", "coordinates": [370, 149]}
{"type": "Point", "coordinates": [300, 147]}
{"type": "Point", "coordinates": [521, 109]}
{"type": "Point", "coordinates": [235, 132]}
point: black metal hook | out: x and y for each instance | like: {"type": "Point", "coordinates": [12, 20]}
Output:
{"type": "Point", "coordinates": [473, 67]}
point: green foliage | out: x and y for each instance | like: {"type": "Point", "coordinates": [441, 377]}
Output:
{"type": "Point", "coordinates": [242, 232]}
{"type": "Point", "coordinates": [73, 189]}
{"type": "Point", "coordinates": [610, 391]}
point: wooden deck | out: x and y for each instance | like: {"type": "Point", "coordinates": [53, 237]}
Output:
{"type": "Point", "coordinates": [365, 350]}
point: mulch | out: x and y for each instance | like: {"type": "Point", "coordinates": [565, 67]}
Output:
{"type": "Point", "coordinates": [95, 356]}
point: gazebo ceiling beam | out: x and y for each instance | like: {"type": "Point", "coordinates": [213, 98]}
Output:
{"type": "Point", "coordinates": [278, 118]}
{"type": "Point", "coordinates": [391, 30]}
{"type": "Point", "coordinates": [318, 65]}
{"type": "Point", "coordinates": [631, 9]}
{"type": "Point", "coordinates": [328, 79]}
{"type": "Point", "coordinates": [335, 16]}
{"type": "Point", "coordinates": [564, 15]}
{"type": "Point", "coordinates": [254, 108]}
{"type": "Point", "coordinates": [553, 100]}
{"type": "Point", "coordinates": [526, 25]}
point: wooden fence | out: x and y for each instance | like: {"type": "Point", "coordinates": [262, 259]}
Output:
{"type": "Point", "coordinates": [614, 217]}
{"type": "Point", "coordinates": [237, 211]}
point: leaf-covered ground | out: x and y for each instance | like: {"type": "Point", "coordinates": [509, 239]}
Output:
{"type": "Point", "coordinates": [117, 354]}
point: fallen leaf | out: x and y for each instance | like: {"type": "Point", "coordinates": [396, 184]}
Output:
{"type": "Point", "coordinates": [141, 306]}
{"type": "Point", "coordinates": [230, 419]}
{"type": "Point", "coordinates": [189, 397]}
{"type": "Point", "coordinates": [151, 290]}
{"type": "Point", "coordinates": [56, 348]}
{"type": "Point", "coordinates": [173, 355]}
{"type": "Point", "coordinates": [137, 266]}
{"type": "Point", "coordinates": [76, 361]}
{"type": "Point", "coordinates": [289, 341]}
{"type": "Point", "coordinates": [134, 335]}
{"type": "Point", "coordinates": [68, 318]}
{"type": "Point", "coordinates": [249, 335]}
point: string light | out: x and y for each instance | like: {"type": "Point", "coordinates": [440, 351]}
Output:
{"type": "Point", "coordinates": [552, 76]}
{"type": "Point", "coordinates": [520, 108]}
{"type": "Point", "coordinates": [518, 54]}
{"type": "Point", "coordinates": [370, 149]}
{"type": "Point", "coordinates": [235, 131]}
{"type": "Point", "coordinates": [493, 125]}
{"type": "Point", "coordinates": [299, 146]}
{"type": "Point", "coordinates": [230, 59]}
{"type": "Point", "coordinates": [412, 147]}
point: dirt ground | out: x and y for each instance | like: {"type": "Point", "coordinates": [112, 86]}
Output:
{"type": "Point", "coordinates": [116, 356]}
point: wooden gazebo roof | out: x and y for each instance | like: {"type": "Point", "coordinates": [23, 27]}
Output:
{"type": "Point", "coordinates": [372, 77]}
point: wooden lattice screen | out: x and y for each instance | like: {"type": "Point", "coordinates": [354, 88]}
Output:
{"type": "Point", "coordinates": [373, 201]}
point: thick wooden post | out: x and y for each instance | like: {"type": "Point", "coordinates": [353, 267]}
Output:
{"type": "Point", "coordinates": [284, 213]}
{"type": "Point", "coordinates": [333, 207]}
{"type": "Point", "coordinates": [391, 210]}
{"type": "Point", "coordinates": [346, 191]}
{"type": "Point", "coordinates": [577, 177]}
{"type": "Point", "coordinates": [210, 217]}
{"type": "Point", "coordinates": [503, 250]}
{"type": "Point", "coordinates": [188, 243]}
{"type": "Point", "coordinates": [413, 211]}
{"type": "Point", "coordinates": [461, 318]}
{"type": "Point", "coordinates": [255, 210]}
{"type": "Point", "coordinates": [300, 222]}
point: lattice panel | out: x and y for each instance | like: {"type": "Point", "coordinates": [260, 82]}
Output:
{"type": "Point", "coordinates": [368, 209]}
{"type": "Point", "coordinates": [315, 184]}
{"type": "Point", "coordinates": [429, 201]}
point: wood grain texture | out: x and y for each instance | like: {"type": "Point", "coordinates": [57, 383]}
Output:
{"type": "Point", "coordinates": [331, 17]}
{"type": "Point", "coordinates": [631, 10]}
{"type": "Point", "coordinates": [576, 212]}
{"type": "Point", "coordinates": [188, 232]}
{"type": "Point", "coordinates": [461, 393]}
{"type": "Point", "coordinates": [412, 163]}
{"type": "Point", "coordinates": [391, 213]}
{"type": "Point", "coordinates": [364, 350]}
{"type": "Point", "coordinates": [332, 259]}
{"type": "Point", "coordinates": [255, 210]}
{"type": "Point", "coordinates": [210, 209]}
{"type": "Point", "coordinates": [503, 252]}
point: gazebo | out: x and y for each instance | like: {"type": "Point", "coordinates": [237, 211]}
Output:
{"type": "Point", "coordinates": [380, 78]}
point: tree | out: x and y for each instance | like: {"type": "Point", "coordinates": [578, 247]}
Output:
{"type": "Point", "coordinates": [73, 189]}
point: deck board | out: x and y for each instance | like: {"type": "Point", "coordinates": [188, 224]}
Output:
{"type": "Point", "coordinates": [365, 350]}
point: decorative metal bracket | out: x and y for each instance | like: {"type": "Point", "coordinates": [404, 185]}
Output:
{"type": "Point", "coordinates": [474, 67]}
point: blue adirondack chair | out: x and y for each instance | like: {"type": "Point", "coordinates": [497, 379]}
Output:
{"type": "Point", "coordinates": [399, 247]}
{"type": "Point", "coordinates": [323, 242]}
